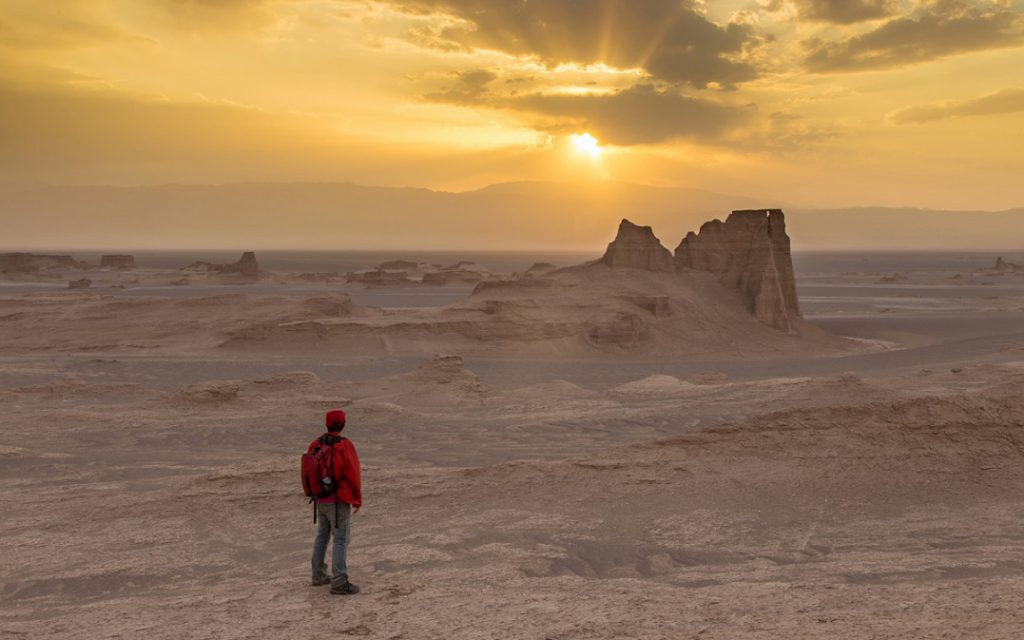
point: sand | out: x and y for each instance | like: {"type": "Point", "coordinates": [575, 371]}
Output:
{"type": "Point", "coordinates": [867, 491]}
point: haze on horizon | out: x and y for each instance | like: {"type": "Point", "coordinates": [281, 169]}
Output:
{"type": "Point", "coordinates": [821, 103]}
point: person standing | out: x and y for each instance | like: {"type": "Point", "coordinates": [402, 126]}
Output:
{"type": "Point", "coordinates": [333, 512]}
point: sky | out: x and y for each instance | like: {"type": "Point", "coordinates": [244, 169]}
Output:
{"type": "Point", "coordinates": [822, 103]}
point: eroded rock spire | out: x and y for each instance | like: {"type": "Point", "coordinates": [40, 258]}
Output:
{"type": "Point", "coordinates": [637, 247]}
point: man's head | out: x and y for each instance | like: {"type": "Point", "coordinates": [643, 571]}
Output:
{"type": "Point", "coordinates": [335, 420]}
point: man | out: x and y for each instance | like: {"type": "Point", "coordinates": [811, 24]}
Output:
{"type": "Point", "coordinates": [333, 512]}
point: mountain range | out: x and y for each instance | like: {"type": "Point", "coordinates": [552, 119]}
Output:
{"type": "Point", "coordinates": [507, 216]}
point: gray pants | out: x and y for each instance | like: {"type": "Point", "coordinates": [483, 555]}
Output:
{"type": "Point", "coordinates": [326, 526]}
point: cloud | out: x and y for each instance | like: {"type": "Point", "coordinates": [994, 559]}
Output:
{"type": "Point", "coordinates": [1005, 101]}
{"type": "Point", "coordinates": [642, 114]}
{"type": "Point", "coordinates": [844, 11]}
{"type": "Point", "coordinates": [938, 28]}
{"type": "Point", "coordinates": [469, 88]}
{"type": "Point", "coordinates": [783, 131]}
{"type": "Point", "coordinates": [671, 39]}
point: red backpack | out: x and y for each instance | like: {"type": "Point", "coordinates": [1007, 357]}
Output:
{"type": "Point", "coordinates": [317, 468]}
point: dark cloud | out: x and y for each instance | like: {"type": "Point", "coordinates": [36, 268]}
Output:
{"type": "Point", "coordinates": [1006, 101]}
{"type": "Point", "coordinates": [470, 87]}
{"type": "Point", "coordinates": [640, 115]}
{"type": "Point", "coordinates": [668, 38]}
{"type": "Point", "coordinates": [935, 30]}
{"type": "Point", "coordinates": [844, 11]}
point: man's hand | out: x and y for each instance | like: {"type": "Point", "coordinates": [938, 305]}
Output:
{"type": "Point", "coordinates": [356, 509]}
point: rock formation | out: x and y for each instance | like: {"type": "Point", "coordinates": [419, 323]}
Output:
{"type": "Point", "coordinates": [117, 261]}
{"type": "Point", "coordinates": [319, 276]}
{"type": "Point", "coordinates": [434, 279]}
{"type": "Point", "coordinates": [460, 276]}
{"type": "Point", "coordinates": [83, 283]}
{"type": "Point", "coordinates": [749, 252]}
{"type": "Point", "coordinates": [30, 263]}
{"type": "Point", "coordinates": [1003, 266]}
{"type": "Point", "coordinates": [407, 273]}
{"type": "Point", "coordinates": [379, 277]}
{"type": "Point", "coordinates": [636, 247]}
{"type": "Point", "coordinates": [246, 266]}
{"type": "Point", "coordinates": [461, 265]}
{"type": "Point", "coordinates": [446, 370]}
{"type": "Point", "coordinates": [540, 269]}
{"type": "Point", "coordinates": [399, 265]}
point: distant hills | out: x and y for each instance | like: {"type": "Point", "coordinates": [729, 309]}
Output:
{"type": "Point", "coordinates": [510, 216]}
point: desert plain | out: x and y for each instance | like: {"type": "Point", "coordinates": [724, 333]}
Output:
{"type": "Point", "coordinates": [619, 449]}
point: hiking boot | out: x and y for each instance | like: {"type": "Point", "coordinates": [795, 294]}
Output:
{"type": "Point", "coordinates": [319, 582]}
{"type": "Point", "coordinates": [347, 589]}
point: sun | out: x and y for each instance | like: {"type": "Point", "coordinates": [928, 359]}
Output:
{"type": "Point", "coordinates": [586, 144]}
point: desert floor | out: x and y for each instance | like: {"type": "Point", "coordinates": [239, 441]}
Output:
{"type": "Point", "coordinates": [153, 493]}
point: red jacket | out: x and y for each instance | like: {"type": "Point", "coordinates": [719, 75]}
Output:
{"type": "Point", "coordinates": [346, 470]}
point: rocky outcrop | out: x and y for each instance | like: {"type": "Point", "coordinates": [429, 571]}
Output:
{"type": "Point", "coordinates": [246, 266]}
{"type": "Point", "coordinates": [201, 266]}
{"type": "Point", "coordinates": [399, 265]}
{"type": "Point", "coordinates": [540, 269]}
{"type": "Point", "coordinates": [461, 265]}
{"type": "Point", "coordinates": [636, 247]}
{"type": "Point", "coordinates": [30, 263]}
{"type": "Point", "coordinates": [434, 279]}
{"type": "Point", "coordinates": [1004, 266]}
{"type": "Point", "coordinates": [452, 276]}
{"type": "Point", "coordinates": [319, 276]}
{"type": "Point", "coordinates": [117, 261]}
{"type": "Point", "coordinates": [379, 278]}
{"type": "Point", "coordinates": [448, 370]}
{"type": "Point", "coordinates": [749, 252]}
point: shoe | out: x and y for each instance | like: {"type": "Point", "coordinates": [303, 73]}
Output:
{"type": "Point", "coordinates": [347, 589]}
{"type": "Point", "coordinates": [319, 582]}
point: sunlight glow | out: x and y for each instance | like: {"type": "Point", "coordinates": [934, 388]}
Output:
{"type": "Point", "coordinates": [586, 144]}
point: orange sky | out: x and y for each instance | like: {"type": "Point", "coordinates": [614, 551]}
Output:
{"type": "Point", "coordinates": [814, 102]}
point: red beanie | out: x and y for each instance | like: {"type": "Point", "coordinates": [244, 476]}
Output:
{"type": "Point", "coordinates": [335, 416]}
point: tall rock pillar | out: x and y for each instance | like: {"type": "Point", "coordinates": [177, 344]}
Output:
{"type": "Point", "coordinates": [749, 252]}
